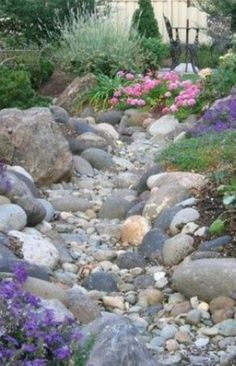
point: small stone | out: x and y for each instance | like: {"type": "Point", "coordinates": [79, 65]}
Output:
{"type": "Point", "coordinates": [83, 308]}
{"type": "Point", "coordinates": [168, 331]}
{"type": "Point", "coordinates": [189, 228]}
{"type": "Point", "coordinates": [211, 332]}
{"type": "Point", "coordinates": [172, 345]}
{"type": "Point", "coordinates": [194, 302]}
{"type": "Point", "coordinates": [194, 317]}
{"type": "Point", "coordinates": [203, 306]}
{"type": "Point", "coordinates": [227, 328]}
{"type": "Point", "coordinates": [161, 280]}
{"type": "Point", "coordinates": [184, 216]}
{"type": "Point", "coordinates": [101, 281]}
{"type": "Point", "coordinates": [182, 308]}
{"type": "Point", "coordinates": [201, 342]}
{"type": "Point", "coordinates": [144, 281]}
{"type": "Point", "coordinates": [130, 260]}
{"type": "Point", "coordinates": [150, 297]}
{"type": "Point", "coordinates": [183, 337]}
{"type": "Point", "coordinates": [176, 249]}
{"type": "Point", "coordinates": [133, 230]}
{"type": "Point", "coordinates": [222, 314]}
{"type": "Point", "coordinates": [221, 302]}
{"type": "Point", "coordinates": [114, 302]}
{"type": "Point", "coordinates": [157, 342]}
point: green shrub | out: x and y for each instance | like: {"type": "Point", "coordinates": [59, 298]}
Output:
{"type": "Point", "coordinates": [99, 45]}
{"type": "Point", "coordinates": [155, 51]}
{"type": "Point", "coordinates": [209, 152]}
{"type": "Point", "coordinates": [144, 20]}
{"type": "Point", "coordinates": [16, 90]}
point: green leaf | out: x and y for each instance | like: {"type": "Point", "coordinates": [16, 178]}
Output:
{"type": "Point", "coordinates": [217, 227]}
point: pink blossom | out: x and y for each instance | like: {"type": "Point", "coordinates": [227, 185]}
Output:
{"type": "Point", "coordinates": [141, 102]}
{"type": "Point", "coordinates": [186, 84]}
{"type": "Point", "coordinates": [129, 76]}
{"type": "Point", "coordinates": [191, 102]}
{"type": "Point", "coordinates": [117, 94]}
{"type": "Point", "coordinates": [120, 73]}
{"type": "Point", "coordinates": [165, 110]}
{"type": "Point", "coordinates": [114, 101]}
{"type": "Point", "coordinates": [173, 108]}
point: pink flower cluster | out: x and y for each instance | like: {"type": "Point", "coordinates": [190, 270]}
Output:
{"type": "Point", "coordinates": [166, 90]}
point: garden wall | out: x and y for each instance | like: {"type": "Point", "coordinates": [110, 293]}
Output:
{"type": "Point", "coordinates": [175, 10]}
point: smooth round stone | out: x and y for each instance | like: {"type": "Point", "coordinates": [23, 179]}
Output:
{"type": "Point", "coordinates": [227, 328]}
{"type": "Point", "coordinates": [82, 166]}
{"type": "Point", "coordinates": [82, 306]}
{"type": "Point", "coordinates": [152, 244]}
{"type": "Point", "coordinates": [194, 317]}
{"type": "Point", "coordinates": [130, 260]}
{"type": "Point", "coordinates": [168, 331]}
{"type": "Point", "coordinates": [221, 302]}
{"type": "Point", "coordinates": [201, 342]}
{"type": "Point", "coordinates": [80, 125]}
{"type": "Point", "coordinates": [216, 244]}
{"type": "Point", "coordinates": [164, 219]}
{"type": "Point", "coordinates": [86, 141]}
{"type": "Point", "coordinates": [4, 200]}
{"type": "Point", "coordinates": [108, 129]}
{"type": "Point", "coordinates": [60, 312]}
{"type": "Point", "coordinates": [7, 264]}
{"type": "Point", "coordinates": [141, 186]}
{"type": "Point", "coordinates": [98, 158]}
{"type": "Point", "coordinates": [172, 345]}
{"type": "Point", "coordinates": [144, 281]}
{"type": "Point", "coordinates": [111, 117]}
{"type": "Point", "coordinates": [101, 281]}
{"type": "Point", "coordinates": [50, 211]}
{"type": "Point", "coordinates": [184, 216]}
{"type": "Point", "coordinates": [115, 207]}
{"type": "Point", "coordinates": [176, 249]}
{"type": "Point", "coordinates": [12, 217]}
{"type": "Point", "coordinates": [156, 342]}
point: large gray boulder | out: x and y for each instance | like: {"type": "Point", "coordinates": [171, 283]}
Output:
{"type": "Point", "coordinates": [116, 343]}
{"type": "Point", "coordinates": [32, 139]}
{"type": "Point", "coordinates": [206, 278]}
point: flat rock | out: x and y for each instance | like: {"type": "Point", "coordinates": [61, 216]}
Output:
{"type": "Point", "coordinates": [201, 278]}
{"type": "Point", "coordinates": [167, 126]}
{"type": "Point", "coordinates": [216, 244]}
{"type": "Point", "coordinates": [87, 140]}
{"type": "Point", "coordinates": [130, 260]}
{"type": "Point", "coordinates": [187, 180]}
{"type": "Point", "coordinates": [70, 203]}
{"type": "Point", "coordinates": [114, 207]}
{"type": "Point", "coordinates": [176, 249]}
{"type": "Point", "coordinates": [82, 166]}
{"type": "Point", "coordinates": [227, 328]}
{"type": "Point", "coordinates": [83, 308]}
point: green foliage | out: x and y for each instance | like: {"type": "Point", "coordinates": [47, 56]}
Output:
{"type": "Point", "coordinates": [144, 20]}
{"type": "Point", "coordinates": [16, 90]}
{"type": "Point", "coordinates": [99, 96]}
{"type": "Point", "coordinates": [99, 45]}
{"type": "Point", "coordinates": [208, 152]}
{"type": "Point", "coordinates": [217, 227]}
{"type": "Point", "coordinates": [35, 20]}
{"type": "Point", "coordinates": [155, 51]}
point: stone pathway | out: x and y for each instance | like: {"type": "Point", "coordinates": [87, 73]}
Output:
{"type": "Point", "coordinates": [123, 237]}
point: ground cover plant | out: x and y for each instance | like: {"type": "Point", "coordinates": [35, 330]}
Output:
{"type": "Point", "coordinates": [29, 333]}
{"type": "Point", "coordinates": [165, 93]}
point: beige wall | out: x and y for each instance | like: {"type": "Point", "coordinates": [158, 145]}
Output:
{"type": "Point", "coordinates": [175, 10]}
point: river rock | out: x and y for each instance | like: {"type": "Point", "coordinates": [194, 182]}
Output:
{"type": "Point", "coordinates": [9, 263]}
{"type": "Point", "coordinates": [167, 126]}
{"type": "Point", "coordinates": [201, 278]}
{"type": "Point", "coordinates": [101, 281]}
{"type": "Point", "coordinates": [130, 260]}
{"type": "Point", "coordinates": [12, 217]}
{"type": "Point", "coordinates": [108, 129]}
{"type": "Point", "coordinates": [98, 158]}
{"type": "Point", "coordinates": [114, 207]}
{"type": "Point", "coordinates": [60, 115]}
{"type": "Point", "coordinates": [82, 166]}
{"type": "Point", "coordinates": [133, 230]}
{"type": "Point", "coordinates": [32, 133]}
{"type": "Point", "coordinates": [176, 249]}
{"type": "Point", "coordinates": [116, 343]}
{"type": "Point", "coordinates": [87, 140]}
{"type": "Point", "coordinates": [83, 308]}
{"type": "Point", "coordinates": [184, 216]}
{"type": "Point", "coordinates": [70, 203]}
{"type": "Point", "coordinates": [152, 244]}
{"type": "Point", "coordinates": [141, 186]}
{"type": "Point", "coordinates": [187, 180]}
{"type": "Point", "coordinates": [111, 117]}
{"type": "Point", "coordinates": [80, 125]}
{"type": "Point", "coordinates": [50, 211]}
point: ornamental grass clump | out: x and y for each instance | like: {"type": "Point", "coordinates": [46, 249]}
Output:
{"type": "Point", "coordinates": [165, 93]}
{"type": "Point", "coordinates": [219, 118]}
{"type": "Point", "coordinates": [29, 333]}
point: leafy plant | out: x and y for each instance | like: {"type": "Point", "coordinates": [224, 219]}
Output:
{"type": "Point", "coordinates": [99, 45]}
{"type": "Point", "coordinates": [155, 51]}
{"type": "Point", "coordinates": [204, 153]}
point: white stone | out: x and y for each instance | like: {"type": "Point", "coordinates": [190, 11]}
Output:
{"type": "Point", "coordinates": [184, 67]}
{"type": "Point", "coordinates": [164, 126]}
{"type": "Point", "coordinates": [184, 216]}
{"type": "Point", "coordinates": [36, 249]}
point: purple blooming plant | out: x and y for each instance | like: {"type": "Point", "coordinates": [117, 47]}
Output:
{"type": "Point", "coordinates": [29, 334]}
{"type": "Point", "coordinates": [219, 118]}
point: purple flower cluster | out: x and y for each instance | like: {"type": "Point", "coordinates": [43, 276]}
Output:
{"type": "Point", "coordinates": [219, 118]}
{"type": "Point", "coordinates": [29, 334]}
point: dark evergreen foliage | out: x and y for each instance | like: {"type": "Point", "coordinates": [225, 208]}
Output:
{"type": "Point", "coordinates": [144, 20]}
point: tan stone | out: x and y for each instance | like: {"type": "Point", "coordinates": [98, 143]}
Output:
{"type": "Point", "coordinates": [114, 302]}
{"type": "Point", "coordinates": [133, 230]}
{"type": "Point", "coordinates": [150, 296]}
{"type": "Point", "coordinates": [221, 302]}
{"type": "Point", "coordinates": [181, 308]}
{"type": "Point", "coordinates": [171, 345]}
{"type": "Point", "coordinates": [183, 337]}
{"type": "Point", "coordinates": [222, 314]}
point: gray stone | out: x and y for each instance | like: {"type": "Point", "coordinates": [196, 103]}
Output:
{"type": "Point", "coordinates": [164, 219]}
{"type": "Point", "coordinates": [183, 217]}
{"type": "Point", "coordinates": [82, 166]}
{"type": "Point", "coordinates": [116, 343]}
{"type": "Point", "coordinates": [60, 312]}
{"type": "Point", "coordinates": [41, 147]}
{"type": "Point", "coordinates": [117, 205]}
{"type": "Point", "coordinates": [141, 186]}
{"type": "Point", "coordinates": [216, 244]}
{"type": "Point", "coordinates": [176, 249]}
{"type": "Point", "coordinates": [152, 244]}
{"type": "Point", "coordinates": [227, 327]}
{"type": "Point", "coordinates": [5, 253]}
{"type": "Point", "coordinates": [83, 308]}
{"type": "Point", "coordinates": [168, 331]}
{"type": "Point", "coordinates": [111, 117]}
{"type": "Point", "coordinates": [144, 281]}
{"type": "Point", "coordinates": [98, 158]}
{"type": "Point", "coordinates": [80, 125]}
{"type": "Point", "coordinates": [32, 187]}
{"type": "Point", "coordinates": [206, 278]}
{"type": "Point", "coordinates": [7, 264]}
{"type": "Point", "coordinates": [163, 198]}
{"type": "Point", "coordinates": [130, 260]}
{"type": "Point", "coordinates": [50, 212]}
{"type": "Point", "coordinates": [87, 140]}
{"type": "Point", "coordinates": [70, 203]}
{"type": "Point", "coordinates": [136, 209]}
{"type": "Point", "coordinates": [194, 316]}
{"type": "Point", "coordinates": [20, 194]}
{"type": "Point", "coordinates": [12, 217]}
{"type": "Point", "coordinates": [157, 342]}
{"type": "Point", "coordinates": [60, 115]}
{"type": "Point", "coordinates": [101, 281]}
{"type": "Point", "coordinates": [167, 126]}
